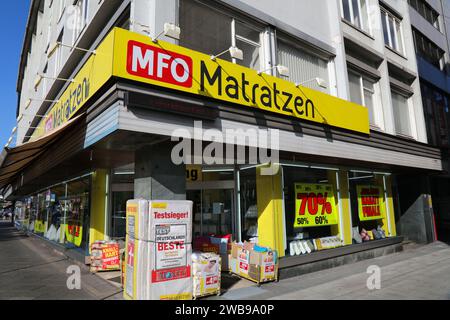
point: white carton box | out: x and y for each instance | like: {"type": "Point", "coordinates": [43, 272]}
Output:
{"type": "Point", "coordinates": [169, 272]}
{"type": "Point", "coordinates": [206, 273]}
{"type": "Point", "coordinates": [136, 272]}
{"type": "Point", "coordinates": [138, 219]}
{"type": "Point", "coordinates": [173, 213]}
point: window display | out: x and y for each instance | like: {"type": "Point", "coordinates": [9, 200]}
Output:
{"type": "Point", "coordinates": [311, 209]}
{"type": "Point", "coordinates": [60, 213]}
{"type": "Point", "coordinates": [249, 208]}
{"type": "Point", "coordinates": [368, 205]}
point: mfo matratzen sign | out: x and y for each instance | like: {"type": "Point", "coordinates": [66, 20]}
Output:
{"type": "Point", "coordinates": [133, 56]}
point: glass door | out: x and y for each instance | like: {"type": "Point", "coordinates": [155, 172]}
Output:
{"type": "Point", "coordinates": [213, 208]}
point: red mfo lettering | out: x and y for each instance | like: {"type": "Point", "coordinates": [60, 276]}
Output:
{"type": "Point", "coordinates": [169, 246]}
{"type": "Point", "coordinates": [158, 64]}
{"type": "Point", "coordinates": [171, 215]}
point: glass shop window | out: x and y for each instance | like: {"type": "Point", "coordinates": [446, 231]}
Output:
{"type": "Point", "coordinates": [76, 217]}
{"type": "Point", "coordinates": [311, 210]}
{"type": "Point", "coordinates": [249, 205]}
{"type": "Point", "coordinates": [368, 205]}
{"type": "Point", "coordinates": [54, 210]}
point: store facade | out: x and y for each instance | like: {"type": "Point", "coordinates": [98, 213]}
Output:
{"type": "Point", "coordinates": [136, 100]}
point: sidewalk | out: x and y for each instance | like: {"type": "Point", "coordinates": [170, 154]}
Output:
{"type": "Point", "coordinates": [419, 272]}
{"type": "Point", "coordinates": [31, 269]}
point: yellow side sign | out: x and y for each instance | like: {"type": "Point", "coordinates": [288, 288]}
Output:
{"type": "Point", "coordinates": [92, 76]}
{"type": "Point", "coordinates": [371, 204]}
{"type": "Point", "coordinates": [315, 205]}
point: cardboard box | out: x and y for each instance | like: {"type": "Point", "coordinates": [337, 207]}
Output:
{"type": "Point", "coordinates": [253, 265]}
{"type": "Point", "coordinates": [235, 247]}
{"type": "Point", "coordinates": [137, 219]}
{"type": "Point", "coordinates": [206, 274]}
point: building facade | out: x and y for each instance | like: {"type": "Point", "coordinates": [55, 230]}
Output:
{"type": "Point", "coordinates": [430, 27]}
{"type": "Point", "coordinates": [100, 104]}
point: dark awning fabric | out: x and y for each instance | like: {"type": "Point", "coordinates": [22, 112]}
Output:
{"type": "Point", "coordinates": [14, 160]}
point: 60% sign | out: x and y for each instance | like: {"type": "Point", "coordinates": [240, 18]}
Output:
{"type": "Point", "coordinates": [315, 206]}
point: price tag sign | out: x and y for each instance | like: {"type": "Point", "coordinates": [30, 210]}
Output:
{"type": "Point", "coordinates": [315, 205]}
{"type": "Point", "coordinates": [370, 203]}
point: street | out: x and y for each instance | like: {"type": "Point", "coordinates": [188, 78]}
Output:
{"type": "Point", "coordinates": [31, 269]}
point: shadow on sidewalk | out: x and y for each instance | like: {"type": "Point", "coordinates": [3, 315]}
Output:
{"type": "Point", "coordinates": [9, 233]}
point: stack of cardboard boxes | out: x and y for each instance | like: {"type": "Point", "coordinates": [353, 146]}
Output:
{"type": "Point", "coordinates": [158, 250]}
{"type": "Point", "coordinates": [254, 263]}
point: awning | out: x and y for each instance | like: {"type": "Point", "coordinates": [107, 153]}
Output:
{"type": "Point", "coordinates": [14, 160]}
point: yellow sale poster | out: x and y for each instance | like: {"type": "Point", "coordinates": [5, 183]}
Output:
{"type": "Point", "coordinates": [315, 205]}
{"type": "Point", "coordinates": [371, 204]}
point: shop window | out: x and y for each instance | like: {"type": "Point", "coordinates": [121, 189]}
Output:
{"type": "Point", "coordinates": [356, 12]}
{"type": "Point", "coordinates": [122, 190]}
{"type": "Point", "coordinates": [303, 66]}
{"type": "Point", "coordinates": [211, 31]}
{"type": "Point", "coordinates": [363, 92]}
{"type": "Point", "coordinates": [248, 205]}
{"type": "Point", "coordinates": [76, 218]}
{"type": "Point", "coordinates": [55, 212]}
{"type": "Point", "coordinates": [392, 31]}
{"type": "Point", "coordinates": [400, 105]}
{"type": "Point", "coordinates": [368, 206]}
{"type": "Point", "coordinates": [311, 209]}
{"type": "Point", "coordinates": [212, 191]}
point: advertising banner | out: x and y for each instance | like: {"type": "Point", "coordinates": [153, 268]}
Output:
{"type": "Point", "coordinates": [105, 256]}
{"type": "Point", "coordinates": [134, 56]}
{"type": "Point", "coordinates": [371, 205]}
{"type": "Point", "coordinates": [315, 205]}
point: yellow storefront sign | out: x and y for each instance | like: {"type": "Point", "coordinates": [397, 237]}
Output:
{"type": "Point", "coordinates": [133, 56]}
{"type": "Point", "coordinates": [315, 205]}
{"type": "Point", "coordinates": [371, 204]}
{"type": "Point", "coordinates": [171, 66]}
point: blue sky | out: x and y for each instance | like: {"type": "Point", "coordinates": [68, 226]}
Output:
{"type": "Point", "coordinates": [13, 19]}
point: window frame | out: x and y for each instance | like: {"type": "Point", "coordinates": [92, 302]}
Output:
{"type": "Point", "coordinates": [408, 135]}
{"type": "Point", "coordinates": [352, 16]}
{"type": "Point", "coordinates": [249, 23]}
{"type": "Point", "coordinates": [81, 19]}
{"type": "Point", "coordinates": [399, 39]}
{"type": "Point", "coordinates": [375, 94]}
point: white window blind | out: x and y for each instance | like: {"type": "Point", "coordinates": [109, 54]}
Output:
{"type": "Point", "coordinates": [303, 66]}
{"type": "Point", "coordinates": [401, 114]}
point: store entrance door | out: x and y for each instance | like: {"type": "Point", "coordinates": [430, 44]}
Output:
{"type": "Point", "coordinates": [214, 207]}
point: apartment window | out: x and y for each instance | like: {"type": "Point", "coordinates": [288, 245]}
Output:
{"type": "Point", "coordinates": [61, 6]}
{"type": "Point", "coordinates": [426, 11]}
{"type": "Point", "coordinates": [426, 49]}
{"type": "Point", "coordinates": [356, 12]}
{"type": "Point", "coordinates": [59, 55]}
{"type": "Point", "coordinates": [80, 11]}
{"type": "Point", "coordinates": [363, 92]}
{"type": "Point", "coordinates": [392, 30]}
{"type": "Point", "coordinates": [212, 31]}
{"type": "Point", "coordinates": [400, 107]}
{"type": "Point", "coordinates": [303, 66]}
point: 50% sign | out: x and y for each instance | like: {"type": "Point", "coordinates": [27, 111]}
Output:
{"type": "Point", "coordinates": [314, 205]}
